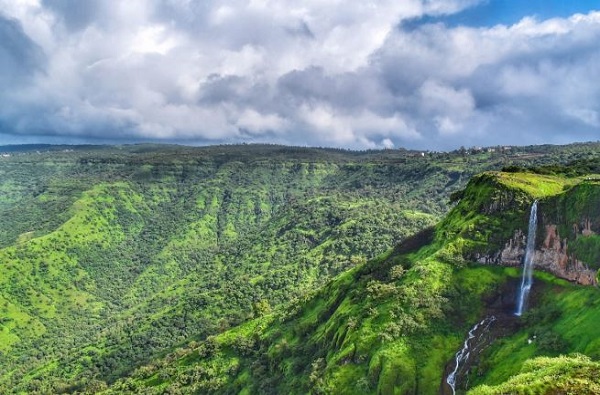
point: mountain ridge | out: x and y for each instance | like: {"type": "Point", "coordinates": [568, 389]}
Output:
{"type": "Point", "coordinates": [148, 248]}
{"type": "Point", "coordinates": [358, 345]}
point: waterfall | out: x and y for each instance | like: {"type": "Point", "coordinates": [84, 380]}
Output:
{"type": "Point", "coordinates": [463, 355]}
{"type": "Point", "coordinates": [528, 263]}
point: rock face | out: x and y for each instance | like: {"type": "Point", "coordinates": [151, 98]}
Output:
{"type": "Point", "coordinates": [552, 256]}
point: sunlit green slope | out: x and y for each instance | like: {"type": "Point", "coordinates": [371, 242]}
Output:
{"type": "Point", "coordinates": [392, 325]}
{"type": "Point", "coordinates": [113, 256]}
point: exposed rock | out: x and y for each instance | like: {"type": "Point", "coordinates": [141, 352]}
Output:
{"type": "Point", "coordinates": [513, 252]}
{"type": "Point", "coordinates": [552, 256]}
{"type": "Point", "coordinates": [587, 228]}
{"type": "Point", "coordinates": [511, 255]}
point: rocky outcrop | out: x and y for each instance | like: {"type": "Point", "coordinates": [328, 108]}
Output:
{"type": "Point", "coordinates": [587, 228]}
{"type": "Point", "coordinates": [552, 256]}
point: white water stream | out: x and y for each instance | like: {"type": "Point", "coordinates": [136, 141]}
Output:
{"type": "Point", "coordinates": [527, 280]}
{"type": "Point", "coordinates": [477, 332]}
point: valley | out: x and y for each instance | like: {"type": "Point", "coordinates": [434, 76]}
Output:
{"type": "Point", "coordinates": [270, 269]}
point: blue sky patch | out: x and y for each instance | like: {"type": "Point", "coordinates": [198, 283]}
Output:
{"type": "Point", "coordinates": [508, 12]}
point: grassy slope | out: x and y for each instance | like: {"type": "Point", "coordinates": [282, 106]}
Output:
{"type": "Point", "coordinates": [145, 246]}
{"type": "Point", "coordinates": [566, 316]}
{"type": "Point", "coordinates": [391, 325]}
{"type": "Point", "coordinates": [165, 223]}
{"type": "Point", "coordinates": [47, 291]}
{"type": "Point", "coordinates": [365, 332]}
{"type": "Point", "coordinates": [564, 320]}
{"type": "Point", "coordinates": [543, 375]}
{"type": "Point", "coordinates": [41, 280]}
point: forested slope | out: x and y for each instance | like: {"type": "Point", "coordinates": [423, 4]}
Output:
{"type": "Point", "coordinates": [393, 325]}
{"type": "Point", "coordinates": [113, 255]}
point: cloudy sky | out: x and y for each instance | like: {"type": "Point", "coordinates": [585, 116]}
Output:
{"type": "Point", "coordinates": [434, 74]}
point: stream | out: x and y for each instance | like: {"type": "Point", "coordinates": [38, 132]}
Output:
{"type": "Point", "coordinates": [477, 339]}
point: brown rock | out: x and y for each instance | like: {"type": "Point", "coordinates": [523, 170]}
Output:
{"type": "Point", "coordinates": [552, 256]}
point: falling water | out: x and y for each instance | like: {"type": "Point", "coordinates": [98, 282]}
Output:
{"type": "Point", "coordinates": [528, 264]}
{"type": "Point", "coordinates": [463, 355]}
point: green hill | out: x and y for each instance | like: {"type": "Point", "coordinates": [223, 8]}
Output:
{"type": "Point", "coordinates": [392, 325]}
{"type": "Point", "coordinates": [244, 268]}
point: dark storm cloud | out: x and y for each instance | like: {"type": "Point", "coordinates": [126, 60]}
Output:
{"type": "Point", "coordinates": [20, 60]}
{"type": "Point", "coordinates": [346, 90]}
{"type": "Point", "coordinates": [20, 57]}
{"type": "Point", "coordinates": [302, 73]}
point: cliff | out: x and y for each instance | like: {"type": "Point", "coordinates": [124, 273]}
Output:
{"type": "Point", "coordinates": [567, 243]}
{"type": "Point", "coordinates": [552, 256]}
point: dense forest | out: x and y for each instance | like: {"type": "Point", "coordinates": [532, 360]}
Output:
{"type": "Point", "coordinates": [262, 268]}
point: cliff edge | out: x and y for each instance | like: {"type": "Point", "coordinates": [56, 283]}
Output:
{"type": "Point", "coordinates": [490, 222]}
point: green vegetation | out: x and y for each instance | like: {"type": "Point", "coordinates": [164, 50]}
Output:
{"type": "Point", "coordinates": [391, 325]}
{"type": "Point", "coordinates": [384, 327]}
{"type": "Point", "coordinates": [543, 375]}
{"type": "Point", "coordinates": [564, 320]}
{"type": "Point", "coordinates": [261, 269]}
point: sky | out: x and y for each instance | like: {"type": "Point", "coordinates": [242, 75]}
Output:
{"type": "Point", "coordinates": [421, 74]}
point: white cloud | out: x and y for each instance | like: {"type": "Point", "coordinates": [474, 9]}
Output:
{"type": "Point", "coordinates": [355, 129]}
{"type": "Point", "coordinates": [333, 73]}
{"type": "Point", "coordinates": [387, 143]}
{"type": "Point", "coordinates": [257, 123]}
{"type": "Point", "coordinates": [152, 39]}
{"type": "Point", "coordinates": [585, 115]}
{"type": "Point", "coordinates": [439, 98]}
